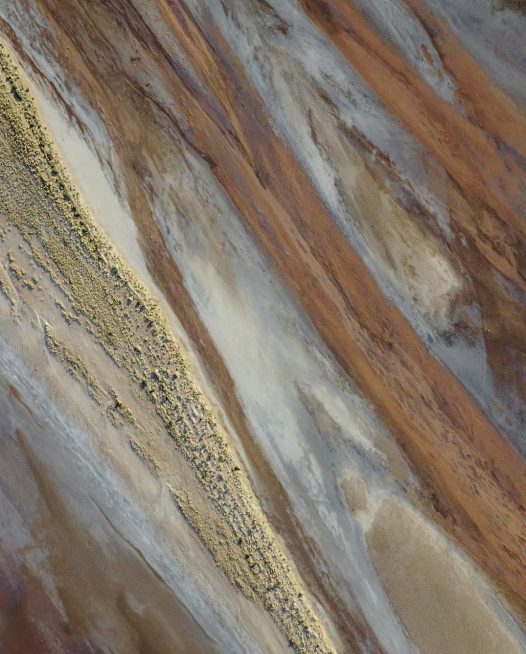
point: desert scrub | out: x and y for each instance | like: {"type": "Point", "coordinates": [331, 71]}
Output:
{"type": "Point", "coordinates": [39, 199]}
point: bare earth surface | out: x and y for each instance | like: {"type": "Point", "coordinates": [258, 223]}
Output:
{"type": "Point", "coordinates": [262, 326]}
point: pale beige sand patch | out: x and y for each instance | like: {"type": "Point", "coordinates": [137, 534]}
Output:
{"type": "Point", "coordinates": [434, 596]}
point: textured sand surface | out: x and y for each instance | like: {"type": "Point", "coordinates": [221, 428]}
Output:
{"type": "Point", "coordinates": [313, 211]}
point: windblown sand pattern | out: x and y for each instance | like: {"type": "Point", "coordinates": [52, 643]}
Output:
{"type": "Point", "coordinates": [40, 201]}
{"type": "Point", "coordinates": [262, 326]}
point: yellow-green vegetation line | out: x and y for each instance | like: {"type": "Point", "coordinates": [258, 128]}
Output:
{"type": "Point", "coordinates": [6, 287]}
{"type": "Point", "coordinates": [38, 197]}
{"type": "Point", "coordinates": [74, 365]}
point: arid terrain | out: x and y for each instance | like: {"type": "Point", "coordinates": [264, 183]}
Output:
{"type": "Point", "coordinates": [262, 326]}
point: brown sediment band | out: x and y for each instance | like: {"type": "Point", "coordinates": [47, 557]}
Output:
{"type": "Point", "coordinates": [473, 479]}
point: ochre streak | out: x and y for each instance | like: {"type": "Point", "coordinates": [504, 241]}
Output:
{"type": "Point", "coordinates": [449, 440]}
{"type": "Point", "coordinates": [465, 149]}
